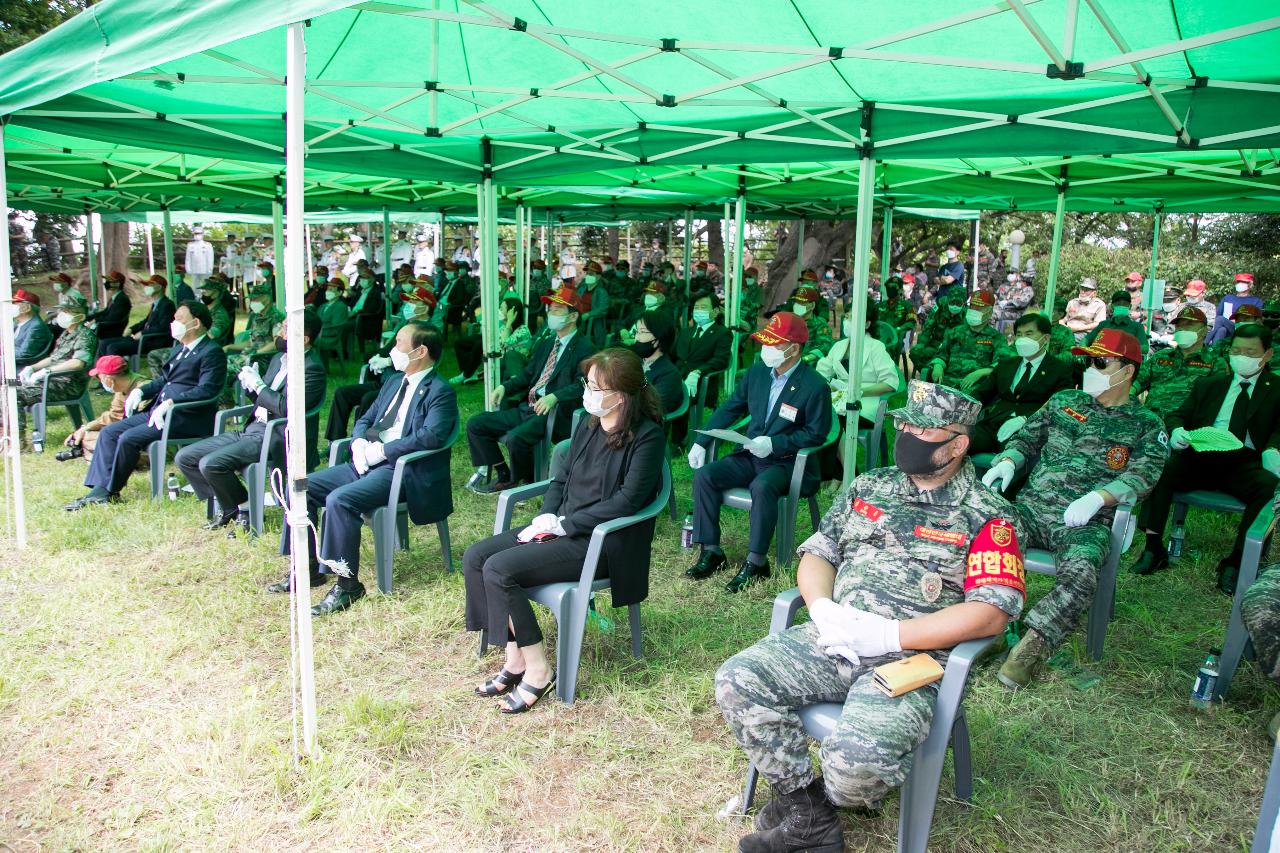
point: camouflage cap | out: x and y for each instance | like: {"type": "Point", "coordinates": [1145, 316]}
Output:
{"type": "Point", "coordinates": [930, 405]}
{"type": "Point", "coordinates": [262, 290]}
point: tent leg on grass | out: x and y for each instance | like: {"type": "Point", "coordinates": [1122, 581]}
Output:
{"type": "Point", "coordinates": [9, 371]}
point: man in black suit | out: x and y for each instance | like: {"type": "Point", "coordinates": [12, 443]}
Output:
{"type": "Point", "coordinates": [109, 322]}
{"type": "Point", "coordinates": [551, 385]}
{"type": "Point", "coordinates": [152, 330]}
{"type": "Point", "coordinates": [213, 466]}
{"type": "Point", "coordinates": [417, 410]}
{"type": "Point", "coordinates": [790, 408]}
{"type": "Point", "coordinates": [195, 370]}
{"type": "Point", "coordinates": [1020, 385]}
{"type": "Point", "coordinates": [1247, 403]}
{"type": "Point", "coordinates": [655, 334]}
{"type": "Point", "coordinates": [700, 349]}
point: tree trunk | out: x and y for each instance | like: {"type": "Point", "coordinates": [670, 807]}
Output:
{"type": "Point", "coordinates": [715, 243]}
{"type": "Point", "coordinates": [115, 246]}
{"type": "Point", "coordinates": [823, 240]}
{"type": "Point", "coordinates": [611, 244]}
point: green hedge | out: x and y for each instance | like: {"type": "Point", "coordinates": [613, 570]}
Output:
{"type": "Point", "coordinates": [1110, 266]}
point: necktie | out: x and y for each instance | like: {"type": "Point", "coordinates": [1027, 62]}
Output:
{"type": "Point", "coordinates": [389, 416]}
{"type": "Point", "coordinates": [547, 370]}
{"type": "Point", "coordinates": [1023, 370]}
{"type": "Point", "coordinates": [1239, 425]}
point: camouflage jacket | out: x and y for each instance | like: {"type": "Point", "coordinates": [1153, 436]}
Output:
{"type": "Point", "coordinates": [1167, 376]}
{"type": "Point", "coordinates": [1074, 445]}
{"type": "Point", "coordinates": [262, 327]}
{"type": "Point", "coordinates": [820, 338]}
{"type": "Point", "coordinates": [1061, 340]}
{"type": "Point", "coordinates": [935, 328]}
{"type": "Point", "coordinates": [902, 552]}
{"type": "Point", "coordinates": [965, 349]}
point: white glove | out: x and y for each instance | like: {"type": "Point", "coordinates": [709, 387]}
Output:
{"type": "Point", "coordinates": [839, 385]}
{"type": "Point", "coordinates": [375, 453]}
{"type": "Point", "coordinates": [378, 363]}
{"type": "Point", "coordinates": [691, 384]}
{"type": "Point", "coordinates": [24, 375]}
{"type": "Point", "coordinates": [357, 455]}
{"type": "Point", "coordinates": [1009, 427]}
{"type": "Point", "coordinates": [250, 379]}
{"type": "Point", "coordinates": [1271, 460]}
{"type": "Point", "coordinates": [131, 402]}
{"type": "Point", "coordinates": [1179, 440]}
{"type": "Point", "coordinates": [547, 522]}
{"type": "Point", "coordinates": [697, 456]}
{"type": "Point", "coordinates": [37, 375]}
{"type": "Point", "coordinates": [1002, 471]}
{"type": "Point", "coordinates": [760, 447]}
{"type": "Point", "coordinates": [160, 414]}
{"type": "Point", "coordinates": [1082, 509]}
{"type": "Point", "coordinates": [843, 629]}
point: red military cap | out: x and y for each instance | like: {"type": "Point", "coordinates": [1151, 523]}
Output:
{"type": "Point", "coordinates": [564, 296]}
{"type": "Point", "coordinates": [538, 264]}
{"type": "Point", "coordinates": [419, 296]}
{"type": "Point", "coordinates": [1244, 278]}
{"type": "Point", "coordinates": [62, 277]}
{"type": "Point", "coordinates": [116, 275]}
{"type": "Point", "coordinates": [109, 365]}
{"type": "Point", "coordinates": [908, 278]}
{"type": "Point", "coordinates": [1194, 287]}
{"type": "Point", "coordinates": [808, 295]}
{"type": "Point", "coordinates": [1113, 343]}
{"type": "Point", "coordinates": [440, 262]}
{"type": "Point", "coordinates": [982, 299]}
{"type": "Point", "coordinates": [1192, 314]}
{"type": "Point", "coordinates": [157, 279]}
{"type": "Point", "coordinates": [808, 275]}
{"type": "Point", "coordinates": [27, 296]}
{"type": "Point", "coordinates": [1133, 276]}
{"type": "Point", "coordinates": [784, 328]}
{"type": "Point", "coordinates": [751, 272]}
{"type": "Point", "coordinates": [607, 259]}
{"type": "Point", "coordinates": [655, 286]}
{"type": "Point", "coordinates": [594, 267]}
{"type": "Point", "coordinates": [700, 265]}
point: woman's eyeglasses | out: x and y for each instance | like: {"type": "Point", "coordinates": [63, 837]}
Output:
{"type": "Point", "coordinates": [588, 386]}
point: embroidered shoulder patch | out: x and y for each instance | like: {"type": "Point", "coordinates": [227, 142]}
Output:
{"type": "Point", "coordinates": [1117, 457]}
{"type": "Point", "coordinates": [946, 537]}
{"type": "Point", "coordinates": [867, 510]}
{"type": "Point", "coordinates": [1073, 413]}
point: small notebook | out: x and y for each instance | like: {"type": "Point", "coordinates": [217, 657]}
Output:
{"type": "Point", "coordinates": [903, 676]}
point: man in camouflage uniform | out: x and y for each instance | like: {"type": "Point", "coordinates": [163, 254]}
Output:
{"type": "Point", "coordinates": [1012, 298]}
{"type": "Point", "coordinates": [1061, 339]}
{"type": "Point", "coordinates": [804, 304]}
{"type": "Point", "coordinates": [1168, 375]}
{"type": "Point", "coordinates": [264, 317]}
{"type": "Point", "coordinates": [919, 540]}
{"type": "Point", "coordinates": [749, 306]}
{"type": "Point", "coordinates": [1260, 611]}
{"type": "Point", "coordinates": [972, 349]}
{"type": "Point", "coordinates": [947, 315]}
{"type": "Point", "coordinates": [66, 365]}
{"type": "Point", "coordinates": [211, 293]}
{"type": "Point", "coordinates": [1087, 452]}
{"type": "Point", "coordinates": [1119, 318]}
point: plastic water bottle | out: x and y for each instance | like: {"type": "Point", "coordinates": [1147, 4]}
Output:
{"type": "Point", "coordinates": [686, 532]}
{"type": "Point", "coordinates": [37, 441]}
{"type": "Point", "coordinates": [1175, 541]}
{"type": "Point", "coordinates": [173, 487]}
{"type": "Point", "coordinates": [1206, 681]}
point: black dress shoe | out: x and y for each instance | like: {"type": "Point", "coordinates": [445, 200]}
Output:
{"type": "Point", "coordinates": [1151, 562]}
{"type": "Point", "coordinates": [746, 576]}
{"type": "Point", "coordinates": [221, 521]}
{"type": "Point", "coordinates": [286, 585]}
{"type": "Point", "coordinates": [501, 486]}
{"type": "Point", "coordinates": [96, 496]}
{"type": "Point", "coordinates": [338, 599]}
{"type": "Point", "coordinates": [1228, 572]}
{"type": "Point", "coordinates": [709, 562]}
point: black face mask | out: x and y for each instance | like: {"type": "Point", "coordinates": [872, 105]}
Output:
{"type": "Point", "coordinates": [207, 299]}
{"type": "Point", "coordinates": [281, 344]}
{"type": "Point", "coordinates": [913, 455]}
{"type": "Point", "coordinates": [644, 349]}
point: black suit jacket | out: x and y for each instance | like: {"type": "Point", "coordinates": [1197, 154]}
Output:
{"type": "Point", "coordinates": [199, 375]}
{"type": "Point", "coordinates": [1200, 409]}
{"type": "Point", "coordinates": [999, 405]}
{"type": "Point", "coordinates": [158, 318]}
{"type": "Point", "coordinates": [565, 380]}
{"type": "Point", "coordinates": [665, 379]}
{"type": "Point", "coordinates": [112, 319]}
{"type": "Point", "coordinates": [706, 353]}
{"type": "Point", "coordinates": [277, 405]}
{"type": "Point", "coordinates": [806, 392]}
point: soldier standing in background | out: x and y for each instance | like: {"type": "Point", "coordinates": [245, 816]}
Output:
{"type": "Point", "coordinates": [900, 562]}
{"type": "Point", "coordinates": [1087, 451]}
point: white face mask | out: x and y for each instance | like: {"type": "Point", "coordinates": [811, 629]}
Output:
{"type": "Point", "coordinates": [749, 282]}
{"type": "Point", "coordinates": [702, 318]}
{"type": "Point", "coordinates": [973, 317]}
{"type": "Point", "coordinates": [257, 307]}
{"type": "Point", "coordinates": [1026, 347]}
{"type": "Point", "coordinates": [59, 287]}
{"type": "Point", "coordinates": [650, 301]}
{"type": "Point", "coordinates": [399, 359]}
{"type": "Point", "coordinates": [1245, 365]}
{"type": "Point", "coordinates": [593, 402]}
{"type": "Point", "coordinates": [588, 279]}
{"type": "Point", "coordinates": [149, 290]}
{"type": "Point", "coordinates": [955, 309]}
{"type": "Point", "coordinates": [105, 386]}
{"type": "Point", "coordinates": [556, 322]}
{"type": "Point", "coordinates": [1095, 382]}
{"type": "Point", "coordinates": [951, 254]}
{"type": "Point", "coordinates": [331, 295]}
{"type": "Point", "coordinates": [407, 312]}
{"type": "Point", "coordinates": [801, 309]}
{"type": "Point", "coordinates": [177, 329]}
{"type": "Point", "coordinates": [63, 320]}
{"type": "Point", "coordinates": [1241, 287]}
{"type": "Point", "coordinates": [1185, 338]}
{"type": "Point", "coordinates": [1011, 278]}
{"type": "Point", "coordinates": [773, 356]}
{"type": "Point", "coordinates": [848, 328]}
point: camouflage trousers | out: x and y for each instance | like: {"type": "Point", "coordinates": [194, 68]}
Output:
{"type": "Point", "coordinates": [66, 387]}
{"type": "Point", "coordinates": [1079, 553]}
{"type": "Point", "coordinates": [1260, 610]}
{"type": "Point", "coordinates": [867, 754]}
{"type": "Point", "coordinates": [156, 360]}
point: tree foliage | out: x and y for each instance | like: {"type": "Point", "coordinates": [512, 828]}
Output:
{"type": "Point", "coordinates": [23, 20]}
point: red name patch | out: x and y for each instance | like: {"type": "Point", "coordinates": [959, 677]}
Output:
{"type": "Point", "coordinates": [1164, 362]}
{"type": "Point", "coordinates": [1070, 411]}
{"type": "Point", "coordinates": [946, 537]}
{"type": "Point", "coordinates": [866, 510]}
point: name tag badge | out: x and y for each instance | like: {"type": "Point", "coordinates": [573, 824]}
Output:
{"type": "Point", "coordinates": [787, 412]}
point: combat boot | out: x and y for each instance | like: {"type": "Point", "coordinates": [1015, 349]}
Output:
{"type": "Point", "coordinates": [1023, 662]}
{"type": "Point", "coordinates": [804, 820]}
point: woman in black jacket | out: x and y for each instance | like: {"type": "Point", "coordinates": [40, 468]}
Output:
{"type": "Point", "coordinates": [614, 469]}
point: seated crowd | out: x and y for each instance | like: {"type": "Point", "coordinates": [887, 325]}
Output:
{"type": "Point", "coordinates": [1010, 437]}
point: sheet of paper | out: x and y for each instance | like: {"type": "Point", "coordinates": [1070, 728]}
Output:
{"type": "Point", "coordinates": [726, 435]}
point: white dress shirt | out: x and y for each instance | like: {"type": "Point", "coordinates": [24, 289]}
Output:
{"type": "Point", "coordinates": [393, 432]}
{"type": "Point", "coordinates": [1027, 369]}
{"type": "Point", "coordinates": [1223, 420]}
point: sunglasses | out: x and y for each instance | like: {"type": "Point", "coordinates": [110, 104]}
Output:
{"type": "Point", "coordinates": [1101, 362]}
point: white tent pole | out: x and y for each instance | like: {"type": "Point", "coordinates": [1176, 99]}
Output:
{"type": "Point", "coordinates": [1155, 254]}
{"type": "Point", "coordinates": [311, 269]}
{"type": "Point", "coordinates": [386, 250]}
{"type": "Point", "coordinates": [799, 253]}
{"type": "Point", "coordinates": [92, 255]}
{"type": "Point", "coordinates": [727, 242]}
{"type": "Point", "coordinates": [977, 236]}
{"type": "Point", "coordinates": [278, 249]}
{"type": "Point", "coordinates": [522, 254]}
{"type": "Point", "coordinates": [527, 266]}
{"type": "Point", "coordinates": [490, 292]}
{"type": "Point", "coordinates": [168, 256]}
{"type": "Point", "coordinates": [9, 368]}
{"type": "Point", "coordinates": [733, 287]}
{"type": "Point", "coordinates": [1059, 211]}
{"type": "Point", "coordinates": [151, 252]}
{"type": "Point", "coordinates": [296, 452]}
{"type": "Point", "coordinates": [688, 262]}
{"type": "Point", "coordinates": [886, 246]}
{"type": "Point", "coordinates": [858, 311]}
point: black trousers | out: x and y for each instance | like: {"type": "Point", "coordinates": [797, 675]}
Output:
{"type": "Point", "coordinates": [119, 445]}
{"type": "Point", "coordinates": [470, 352]}
{"type": "Point", "coordinates": [346, 400]}
{"type": "Point", "coordinates": [128, 346]}
{"type": "Point", "coordinates": [767, 480]}
{"type": "Point", "coordinates": [346, 496]}
{"type": "Point", "coordinates": [1239, 473]}
{"type": "Point", "coordinates": [519, 429]}
{"type": "Point", "coordinates": [213, 466]}
{"type": "Point", "coordinates": [497, 571]}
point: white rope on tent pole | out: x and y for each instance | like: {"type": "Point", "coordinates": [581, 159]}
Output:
{"type": "Point", "coordinates": [9, 373]}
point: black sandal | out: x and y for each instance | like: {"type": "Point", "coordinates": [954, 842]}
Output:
{"type": "Point", "coordinates": [516, 705]}
{"type": "Point", "coordinates": [500, 685]}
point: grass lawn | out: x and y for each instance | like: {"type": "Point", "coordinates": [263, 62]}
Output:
{"type": "Point", "coordinates": [144, 705]}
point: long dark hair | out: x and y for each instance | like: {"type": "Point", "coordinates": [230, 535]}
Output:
{"type": "Point", "coordinates": [622, 371]}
